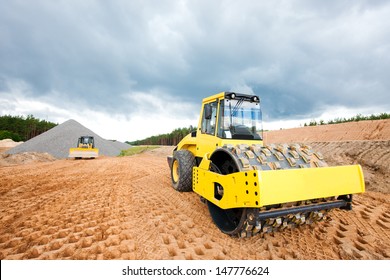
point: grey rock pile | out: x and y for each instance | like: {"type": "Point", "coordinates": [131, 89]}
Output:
{"type": "Point", "coordinates": [59, 139]}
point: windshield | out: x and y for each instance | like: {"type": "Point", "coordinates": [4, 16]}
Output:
{"type": "Point", "coordinates": [86, 140]}
{"type": "Point", "coordinates": [240, 119]}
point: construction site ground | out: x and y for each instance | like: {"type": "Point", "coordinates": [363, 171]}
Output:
{"type": "Point", "coordinates": [125, 208]}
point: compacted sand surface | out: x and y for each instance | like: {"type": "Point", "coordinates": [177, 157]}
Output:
{"type": "Point", "coordinates": [125, 208]}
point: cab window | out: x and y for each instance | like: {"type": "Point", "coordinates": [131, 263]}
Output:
{"type": "Point", "coordinates": [209, 118]}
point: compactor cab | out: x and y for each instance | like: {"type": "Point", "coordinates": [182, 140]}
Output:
{"type": "Point", "coordinates": [249, 187]}
{"type": "Point", "coordinates": [85, 148]}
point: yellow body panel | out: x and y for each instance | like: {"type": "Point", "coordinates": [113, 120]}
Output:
{"type": "Point", "coordinates": [208, 144]}
{"type": "Point", "coordinates": [309, 183]}
{"type": "Point", "coordinates": [204, 143]}
{"type": "Point", "coordinates": [83, 152]}
{"type": "Point", "coordinates": [213, 98]}
{"type": "Point", "coordinates": [188, 143]}
{"type": "Point", "coordinates": [261, 188]}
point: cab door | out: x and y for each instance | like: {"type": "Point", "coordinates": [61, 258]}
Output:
{"type": "Point", "coordinates": [207, 140]}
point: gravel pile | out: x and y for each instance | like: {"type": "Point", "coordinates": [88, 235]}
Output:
{"type": "Point", "coordinates": [120, 145]}
{"type": "Point", "coordinates": [60, 138]}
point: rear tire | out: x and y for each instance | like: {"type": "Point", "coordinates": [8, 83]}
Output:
{"type": "Point", "coordinates": [181, 170]}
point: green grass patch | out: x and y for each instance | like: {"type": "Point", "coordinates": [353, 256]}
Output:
{"type": "Point", "coordinates": [136, 150]}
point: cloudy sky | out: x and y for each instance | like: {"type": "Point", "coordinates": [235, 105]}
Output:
{"type": "Point", "coordinates": [132, 69]}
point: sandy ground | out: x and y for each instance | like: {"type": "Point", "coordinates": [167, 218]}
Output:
{"type": "Point", "coordinates": [125, 208]}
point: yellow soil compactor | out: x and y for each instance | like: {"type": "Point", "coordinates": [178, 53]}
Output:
{"type": "Point", "coordinates": [250, 187]}
{"type": "Point", "coordinates": [85, 148]}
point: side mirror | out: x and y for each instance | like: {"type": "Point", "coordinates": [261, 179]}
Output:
{"type": "Point", "coordinates": [208, 111]}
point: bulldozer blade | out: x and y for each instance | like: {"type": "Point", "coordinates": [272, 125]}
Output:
{"type": "Point", "coordinates": [83, 153]}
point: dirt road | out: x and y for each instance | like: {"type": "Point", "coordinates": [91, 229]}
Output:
{"type": "Point", "coordinates": [125, 208]}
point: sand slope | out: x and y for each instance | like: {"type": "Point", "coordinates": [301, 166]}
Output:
{"type": "Point", "coordinates": [125, 208]}
{"type": "Point", "coordinates": [363, 130]}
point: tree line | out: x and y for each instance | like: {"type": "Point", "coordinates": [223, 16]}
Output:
{"type": "Point", "coordinates": [358, 117]}
{"type": "Point", "coordinates": [168, 139]}
{"type": "Point", "coordinates": [20, 128]}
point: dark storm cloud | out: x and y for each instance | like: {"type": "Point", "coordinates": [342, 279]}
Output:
{"type": "Point", "coordinates": [299, 56]}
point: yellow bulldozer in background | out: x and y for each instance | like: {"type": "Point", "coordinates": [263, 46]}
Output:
{"type": "Point", "coordinates": [85, 148]}
{"type": "Point", "coordinates": [250, 187]}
